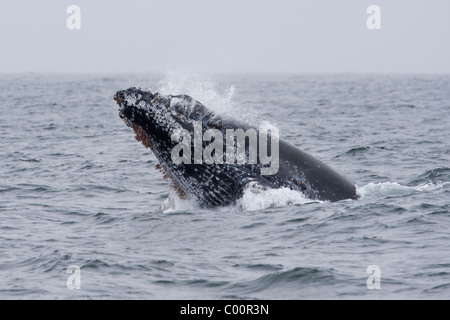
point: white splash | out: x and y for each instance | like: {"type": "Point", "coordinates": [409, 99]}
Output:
{"type": "Point", "coordinates": [267, 126]}
{"type": "Point", "coordinates": [432, 186]}
{"type": "Point", "coordinates": [220, 101]}
{"type": "Point", "coordinates": [174, 203]}
{"type": "Point", "coordinates": [394, 188]}
{"type": "Point", "coordinates": [253, 199]}
{"type": "Point", "coordinates": [261, 199]}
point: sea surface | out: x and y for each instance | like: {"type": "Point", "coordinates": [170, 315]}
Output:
{"type": "Point", "coordinates": [83, 211]}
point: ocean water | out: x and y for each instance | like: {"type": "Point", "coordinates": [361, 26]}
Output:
{"type": "Point", "coordinates": [76, 189]}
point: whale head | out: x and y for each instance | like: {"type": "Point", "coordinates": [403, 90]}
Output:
{"type": "Point", "coordinates": [154, 118]}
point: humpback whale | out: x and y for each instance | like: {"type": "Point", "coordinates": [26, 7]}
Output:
{"type": "Point", "coordinates": [170, 125]}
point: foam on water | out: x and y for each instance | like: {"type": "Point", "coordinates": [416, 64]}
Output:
{"type": "Point", "coordinates": [255, 199]}
{"type": "Point", "coordinates": [174, 203]}
{"type": "Point", "coordinates": [261, 199]}
{"type": "Point", "coordinates": [431, 186]}
{"type": "Point", "coordinates": [252, 200]}
{"type": "Point", "coordinates": [380, 189]}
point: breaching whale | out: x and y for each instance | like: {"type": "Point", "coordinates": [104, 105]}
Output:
{"type": "Point", "coordinates": [171, 126]}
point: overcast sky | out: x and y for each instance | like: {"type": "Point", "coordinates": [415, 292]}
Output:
{"type": "Point", "coordinates": [295, 36]}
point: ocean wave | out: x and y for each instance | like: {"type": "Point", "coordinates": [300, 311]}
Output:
{"type": "Point", "coordinates": [436, 175]}
{"type": "Point", "coordinates": [296, 277]}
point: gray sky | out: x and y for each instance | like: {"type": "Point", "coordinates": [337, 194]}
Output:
{"type": "Point", "coordinates": [296, 36]}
